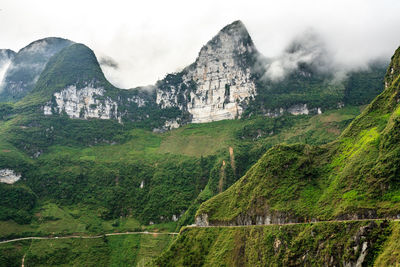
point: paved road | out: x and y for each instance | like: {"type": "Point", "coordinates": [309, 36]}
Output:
{"type": "Point", "coordinates": [312, 222]}
{"type": "Point", "coordinates": [171, 233]}
{"type": "Point", "coordinates": [83, 236]}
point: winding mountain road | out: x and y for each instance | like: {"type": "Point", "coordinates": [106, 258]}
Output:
{"type": "Point", "coordinates": [172, 233]}
{"type": "Point", "coordinates": [83, 237]}
{"type": "Point", "coordinates": [311, 222]}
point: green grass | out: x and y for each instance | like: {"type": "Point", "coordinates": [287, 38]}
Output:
{"type": "Point", "coordinates": [345, 178]}
{"type": "Point", "coordinates": [318, 244]}
{"type": "Point", "coordinates": [124, 250]}
{"type": "Point", "coordinates": [99, 175]}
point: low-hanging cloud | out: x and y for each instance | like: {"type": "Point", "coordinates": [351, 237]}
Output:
{"type": "Point", "coordinates": [151, 38]}
{"type": "Point", "coordinates": [306, 48]}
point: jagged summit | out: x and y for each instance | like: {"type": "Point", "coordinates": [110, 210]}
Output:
{"type": "Point", "coordinates": [219, 83]}
{"type": "Point", "coordinates": [26, 66]}
{"type": "Point", "coordinates": [235, 28]}
{"type": "Point", "coordinates": [233, 39]}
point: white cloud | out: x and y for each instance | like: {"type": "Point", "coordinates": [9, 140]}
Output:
{"type": "Point", "coordinates": [151, 38]}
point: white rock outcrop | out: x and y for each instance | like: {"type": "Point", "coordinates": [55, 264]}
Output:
{"type": "Point", "coordinates": [222, 76]}
{"type": "Point", "coordinates": [8, 176]}
{"type": "Point", "coordinates": [87, 102]}
{"type": "Point", "coordinates": [299, 110]}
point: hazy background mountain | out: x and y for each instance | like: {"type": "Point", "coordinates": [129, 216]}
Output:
{"type": "Point", "coordinates": [148, 46]}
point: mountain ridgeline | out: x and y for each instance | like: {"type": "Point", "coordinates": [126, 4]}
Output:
{"type": "Point", "coordinates": [226, 81]}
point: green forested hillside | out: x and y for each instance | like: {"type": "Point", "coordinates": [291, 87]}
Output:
{"type": "Point", "coordinates": [175, 166]}
{"type": "Point", "coordinates": [122, 250]}
{"type": "Point", "coordinates": [373, 243]}
{"type": "Point", "coordinates": [89, 176]}
{"type": "Point", "coordinates": [354, 176]}
{"type": "Point", "coordinates": [27, 65]}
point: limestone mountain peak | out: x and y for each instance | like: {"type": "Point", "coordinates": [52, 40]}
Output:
{"type": "Point", "coordinates": [233, 38]}
{"type": "Point", "coordinates": [219, 83]}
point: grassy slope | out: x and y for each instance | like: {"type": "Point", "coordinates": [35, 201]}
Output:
{"type": "Point", "coordinates": [357, 175]}
{"type": "Point", "coordinates": [186, 144]}
{"type": "Point", "coordinates": [320, 244]}
{"type": "Point", "coordinates": [128, 250]}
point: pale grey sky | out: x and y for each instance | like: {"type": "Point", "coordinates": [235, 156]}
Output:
{"type": "Point", "coordinates": [151, 38]}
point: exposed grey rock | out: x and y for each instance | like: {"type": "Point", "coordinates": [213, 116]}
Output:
{"type": "Point", "coordinates": [222, 78]}
{"type": "Point", "coordinates": [202, 220]}
{"type": "Point", "coordinates": [8, 176]}
{"type": "Point", "coordinates": [85, 103]}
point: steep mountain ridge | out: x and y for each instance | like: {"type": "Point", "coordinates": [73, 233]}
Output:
{"type": "Point", "coordinates": [27, 65]}
{"type": "Point", "coordinates": [353, 177]}
{"type": "Point", "coordinates": [226, 81]}
{"type": "Point", "coordinates": [73, 83]}
{"type": "Point", "coordinates": [219, 83]}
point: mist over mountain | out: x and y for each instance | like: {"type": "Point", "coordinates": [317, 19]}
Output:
{"type": "Point", "coordinates": [285, 123]}
{"type": "Point", "coordinates": [26, 66]}
{"type": "Point", "coordinates": [148, 47]}
{"type": "Point", "coordinates": [6, 56]}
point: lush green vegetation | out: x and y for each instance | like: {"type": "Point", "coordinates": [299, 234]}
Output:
{"type": "Point", "coordinates": [123, 250]}
{"type": "Point", "coordinates": [320, 244]}
{"type": "Point", "coordinates": [107, 176]}
{"type": "Point", "coordinates": [97, 176]}
{"type": "Point", "coordinates": [357, 175]}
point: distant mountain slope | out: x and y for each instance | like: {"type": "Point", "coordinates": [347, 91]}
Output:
{"type": "Point", "coordinates": [228, 80]}
{"type": "Point", "coordinates": [355, 177]}
{"type": "Point", "coordinates": [26, 66]}
{"type": "Point", "coordinates": [6, 56]}
{"type": "Point", "coordinates": [73, 83]}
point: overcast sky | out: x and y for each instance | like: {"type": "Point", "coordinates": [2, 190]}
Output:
{"type": "Point", "coordinates": [151, 38]}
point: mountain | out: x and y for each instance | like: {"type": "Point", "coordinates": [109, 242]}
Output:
{"type": "Point", "coordinates": [228, 80]}
{"type": "Point", "coordinates": [73, 83]}
{"type": "Point", "coordinates": [219, 83]}
{"type": "Point", "coordinates": [26, 66]}
{"type": "Point", "coordinates": [80, 156]}
{"type": "Point", "coordinates": [355, 177]}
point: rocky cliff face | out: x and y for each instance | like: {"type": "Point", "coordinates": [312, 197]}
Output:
{"type": "Point", "coordinates": [87, 102]}
{"type": "Point", "coordinates": [219, 84]}
{"type": "Point", "coordinates": [8, 176]}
